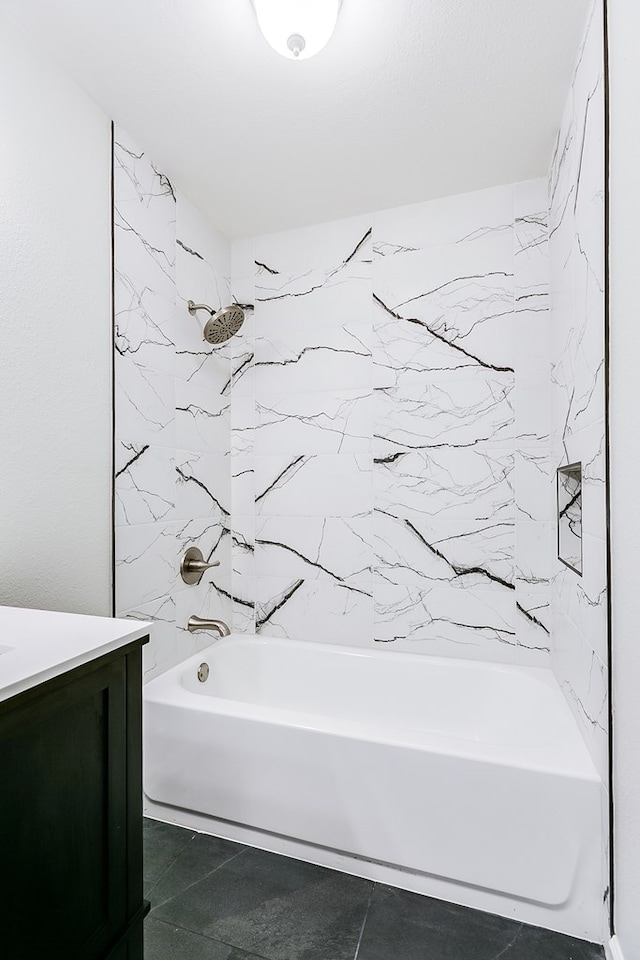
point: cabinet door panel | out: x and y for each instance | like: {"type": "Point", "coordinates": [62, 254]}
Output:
{"type": "Point", "coordinates": [63, 815]}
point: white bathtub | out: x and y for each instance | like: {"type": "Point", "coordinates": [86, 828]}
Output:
{"type": "Point", "coordinates": [474, 773]}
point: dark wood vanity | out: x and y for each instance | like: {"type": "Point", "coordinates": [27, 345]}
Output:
{"type": "Point", "coordinates": [71, 812]}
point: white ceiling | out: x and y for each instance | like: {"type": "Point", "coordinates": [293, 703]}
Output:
{"type": "Point", "coordinates": [412, 99]}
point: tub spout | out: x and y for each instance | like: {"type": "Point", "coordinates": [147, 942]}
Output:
{"type": "Point", "coordinates": [198, 623]}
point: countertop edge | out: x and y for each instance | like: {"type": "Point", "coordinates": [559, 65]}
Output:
{"type": "Point", "coordinates": [51, 670]}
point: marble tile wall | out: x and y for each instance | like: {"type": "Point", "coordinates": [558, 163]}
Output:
{"type": "Point", "coordinates": [395, 389]}
{"type": "Point", "coordinates": [578, 434]}
{"type": "Point", "coordinates": [173, 418]}
{"type": "Point", "coordinates": [372, 458]}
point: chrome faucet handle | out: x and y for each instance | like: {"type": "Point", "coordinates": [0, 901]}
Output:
{"type": "Point", "coordinates": [199, 623]}
{"type": "Point", "coordinates": [193, 565]}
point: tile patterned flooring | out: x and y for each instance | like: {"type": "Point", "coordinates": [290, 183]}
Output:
{"type": "Point", "coordinates": [212, 899]}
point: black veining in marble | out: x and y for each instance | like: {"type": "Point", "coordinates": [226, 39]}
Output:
{"type": "Point", "coordinates": [438, 336]}
{"type": "Point", "coordinates": [266, 611]}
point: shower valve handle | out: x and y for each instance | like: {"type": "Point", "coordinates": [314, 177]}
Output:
{"type": "Point", "coordinates": [193, 566]}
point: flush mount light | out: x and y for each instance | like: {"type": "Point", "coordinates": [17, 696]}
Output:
{"type": "Point", "coordinates": [297, 29]}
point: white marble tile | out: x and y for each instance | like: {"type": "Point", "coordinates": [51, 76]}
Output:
{"type": "Point", "coordinates": [144, 247]}
{"type": "Point", "coordinates": [316, 311]}
{"type": "Point", "coordinates": [450, 410]}
{"type": "Point", "coordinates": [145, 564]}
{"type": "Point", "coordinates": [577, 377]}
{"type": "Point", "coordinates": [583, 677]}
{"type": "Point", "coordinates": [144, 317]}
{"type": "Point", "coordinates": [203, 257]}
{"type": "Point", "coordinates": [313, 610]}
{"type": "Point", "coordinates": [533, 616]}
{"type": "Point", "coordinates": [138, 180]}
{"type": "Point", "coordinates": [243, 604]}
{"type": "Point", "coordinates": [533, 335]}
{"type": "Point", "coordinates": [325, 248]}
{"type": "Point", "coordinates": [533, 410]}
{"type": "Point", "coordinates": [588, 447]}
{"type": "Point", "coordinates": [535, 491]}
{"type": "Point", "coordinates": [202, 366]}
{"type": "Point", "coordinates": [336, 422]}
{"type": "Point", "coordinates": [243, 541]}
{"type": "Point", "coordinates": [145, 403]}
{"type": "Point", "coordinates": [323, 360]}
{"type": "Point", "coordinates": [436, 223]}
{"type": "Point", "coordinates": [144, 238]}
{"type": "Point", "coordinates": [457, 553]}
{"type": "Point", "coordinates": [202, 419]}
{"type": "Point", "coordinates": [531, 197]}
{"type": "Point", "coordinates": [584, 599]}
{"type": "Point", "coordinates": [243, 484]}
{"type": "Point", "coordinates": [591, 612]}
{"type": "Point", "coordinates": [145, 485]}
{"type": "Point", "coordinates": [243, 372]}
{"type": "Point", "coordinates": [203, 485]}
{"type": "Point", "coordinates": [328, 320]}
{"type": "Point", "coordinates": [532, 294]}
{"type": "Point", "coordinates": [199, 276]}
{"type": "Point", "coordinates": [473, 483]}
{"type": "Point", "coordinates": [337, 485]}
{"type": "Point", "coordinates": [289, 302]}
{"type": "Point", "coordinates": [445, 308]}
{"type": "Point", "coordinates": [243, 255]}
{"type": "Point", "coordinates": [313, 315]}
{"type": "Point", "coordinates": [535, 547]}
{"type": "Point", "coordinates": [331, 549]}
{"type": "Point", "coordinates": [160, 653]}
{"type": "Point", "coordinates": [478, 622]}
{"type": "Point", "coordinates": [531, 240]}
{"type": "Point", "coordinates": [243, 426]}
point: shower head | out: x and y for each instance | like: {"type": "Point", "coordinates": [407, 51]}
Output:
{"type": "Point", "coordinates": [222, 324]}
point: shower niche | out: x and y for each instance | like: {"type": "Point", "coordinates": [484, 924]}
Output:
{"type": "Point", "coordinates": [569, 499]}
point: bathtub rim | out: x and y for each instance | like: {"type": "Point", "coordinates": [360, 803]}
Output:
{"type": "Point", "coordinates": [571, 757]}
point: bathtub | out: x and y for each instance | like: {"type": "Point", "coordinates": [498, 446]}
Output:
{"type": "Point", "coordinates": [474, 773]}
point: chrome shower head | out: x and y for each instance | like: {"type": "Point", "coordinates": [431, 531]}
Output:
{"type": "Point", "coordinates": [222, 324]}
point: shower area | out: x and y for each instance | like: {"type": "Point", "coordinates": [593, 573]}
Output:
{"type": "Point", "coordinates": [361, 423]}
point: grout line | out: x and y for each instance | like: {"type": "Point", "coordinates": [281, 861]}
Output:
{"type": "Point", "coordinates": [507, 948]}
{"type": "Point", "coordinates": [203, 936]}
{"type": "Point", "coordinates": [199, 880]}
{"type": "Point", "coordinates": [607, 416]}
{"type": "Point", "coordinates": [166, 870]}
{"type": "Point", "coordinates": [364, 922]}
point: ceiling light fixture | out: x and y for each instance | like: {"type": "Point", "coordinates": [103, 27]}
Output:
{"type": "Point", "coordinates": [297, 29]}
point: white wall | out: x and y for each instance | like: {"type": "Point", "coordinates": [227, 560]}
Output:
{"type": "Point", "coordinates": [55, 330]}
{"type": "Point", "coordinates": [624, 21]}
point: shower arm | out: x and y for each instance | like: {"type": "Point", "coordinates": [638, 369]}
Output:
{"type": "Point", "coordinates": [193, 307]}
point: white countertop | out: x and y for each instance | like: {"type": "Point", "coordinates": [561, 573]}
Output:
{"type": "Point", "coordinates": [36, 645]}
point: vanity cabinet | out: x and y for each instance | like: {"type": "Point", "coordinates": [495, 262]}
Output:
{"type": "Point", "coordinates": [71, 813]}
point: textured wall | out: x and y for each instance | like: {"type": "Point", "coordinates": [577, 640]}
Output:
{"type": "Point", "coordinates": [576, 202]}
{"type": "Point", "coordinates": [624, 29]}
{"type": "Point", "coordinates": [55, 371]}
{"type": "Point", "coordinates": [173, 485]}
{"type": "Point", "coordinates": [384, 409]}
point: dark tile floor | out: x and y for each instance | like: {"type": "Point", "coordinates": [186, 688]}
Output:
{"type": "Point", "coordinates": [213, 899]}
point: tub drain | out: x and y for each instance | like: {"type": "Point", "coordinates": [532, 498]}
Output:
{"type": "Point", "coordinates": [203, 672]}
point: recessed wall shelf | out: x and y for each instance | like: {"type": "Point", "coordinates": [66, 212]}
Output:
{"type": "Point", "coordinates": [569, 505]}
